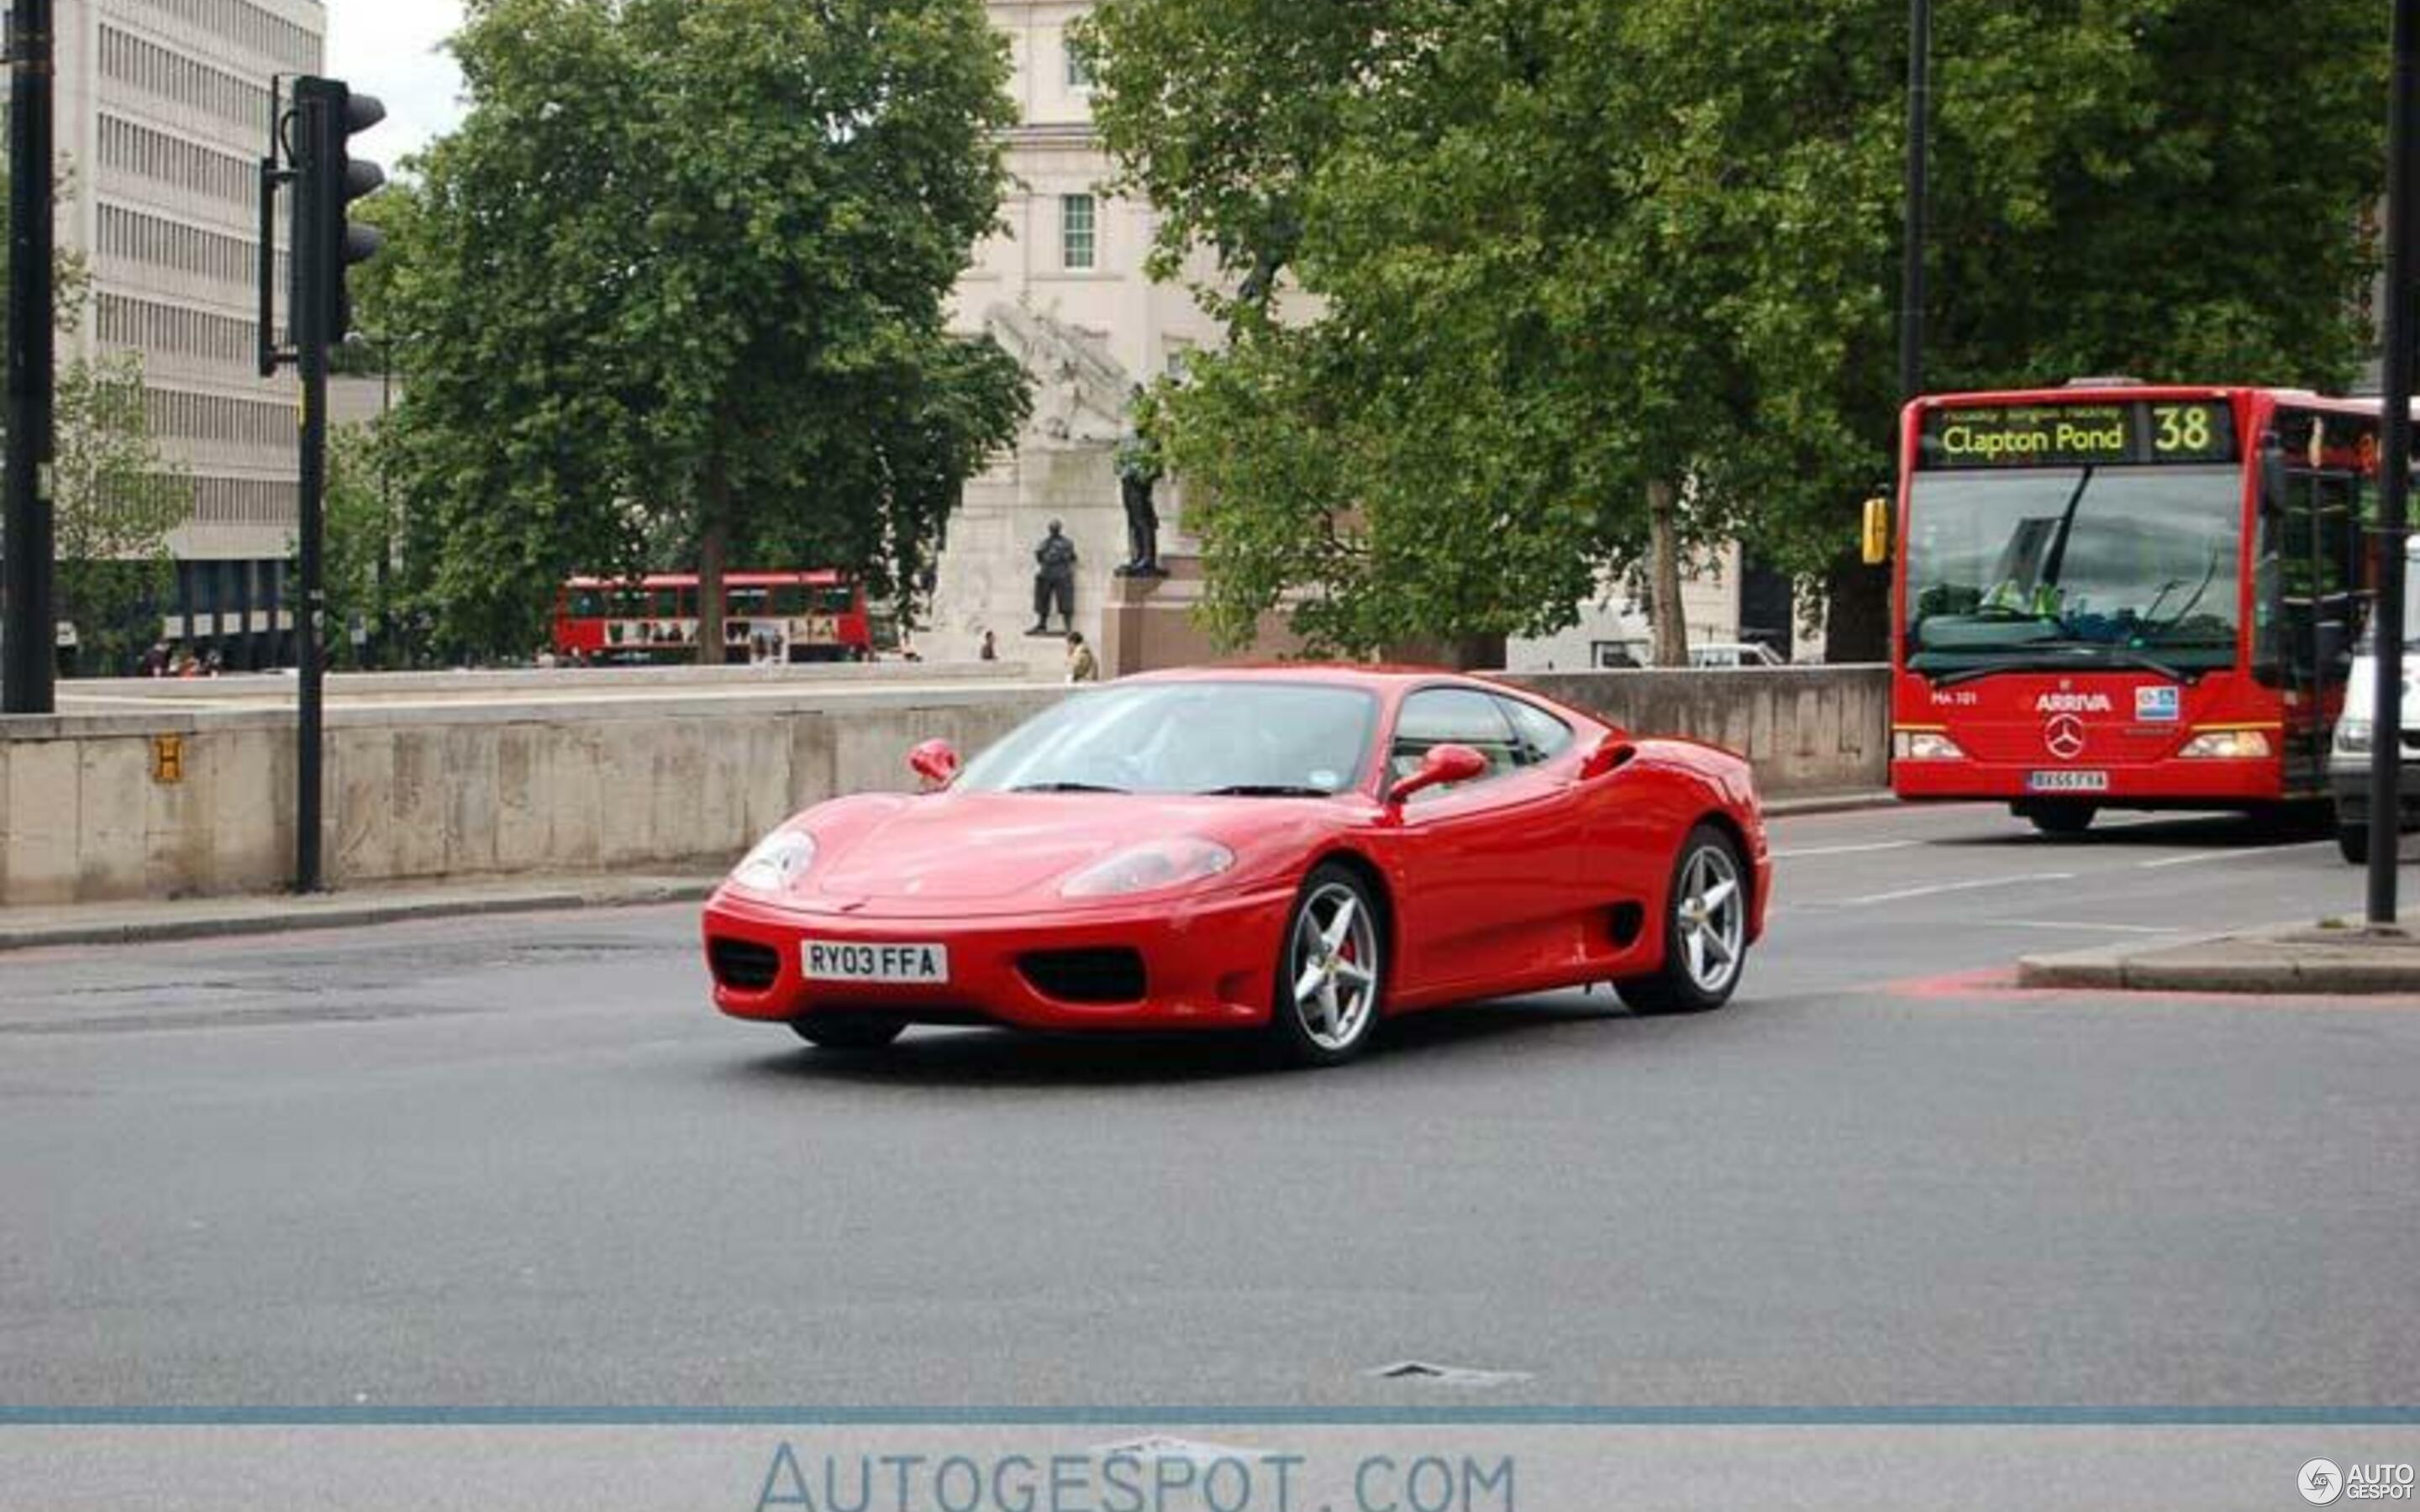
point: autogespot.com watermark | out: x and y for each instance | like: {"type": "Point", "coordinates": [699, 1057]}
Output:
{"type": "Point", "coordinates": [1140, 1480]}
{"type": "Point", "coordinates": [2322, 1481]}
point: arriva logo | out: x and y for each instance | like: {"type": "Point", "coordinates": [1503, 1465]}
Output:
{"type": "Point", "coordinates": [2074, 704]}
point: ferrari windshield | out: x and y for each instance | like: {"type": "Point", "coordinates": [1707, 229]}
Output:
{"type": "Point", "coordinates": [1249, 739]}
{"type": "Point", "coordinates": [2123, 565]}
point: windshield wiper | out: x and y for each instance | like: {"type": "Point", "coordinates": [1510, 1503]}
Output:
{"type": "Point", "coordinates": [1065, 787]}
{"type": "Point", "coordinates": [1266, 790]}
{"type": "Point", "coordinates": [2057, 657]}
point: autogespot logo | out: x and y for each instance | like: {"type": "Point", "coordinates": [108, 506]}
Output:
{"type": "Point", "coordinates": [2320, 1481]}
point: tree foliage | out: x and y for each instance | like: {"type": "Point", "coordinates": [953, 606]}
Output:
{"type": "Point", "coordinates": [1504, 271]}
{"type": "Point", "coordinates": [681, 276]}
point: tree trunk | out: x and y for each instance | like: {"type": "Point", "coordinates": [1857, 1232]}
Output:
{"type": "Point", "coordinates": [1856, 621]}
{"type": "Point", "coordinates": [1671, 622]}
{"type": "Point", "coordinates": [713, 547]}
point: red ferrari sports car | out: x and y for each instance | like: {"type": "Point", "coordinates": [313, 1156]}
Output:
{"type": "Point", "coordinates": [1296, 849]}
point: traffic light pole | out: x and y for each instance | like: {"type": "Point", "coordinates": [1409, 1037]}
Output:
{"type": "Point", "coordinates": [27, 672]}
{"type": "Point", "coordinates": [2386, 621]}
{"type": "Point", "coordinates": [310, 319]}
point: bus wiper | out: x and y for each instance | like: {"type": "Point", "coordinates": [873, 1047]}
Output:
{"type": "Point", "coordinates": [1065, 787]}
{"type": "Point", "coordinates": [2063, 657]}
{"type": "Point", "coordinates": [1266, 790]}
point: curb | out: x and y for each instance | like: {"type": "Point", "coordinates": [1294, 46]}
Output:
{"type": "Point", "coordinates": [344, 915]}
{"type": "Point", "coordinates": [1826, 803]}
{"type": "Point", "coordinates": [2171, 967]}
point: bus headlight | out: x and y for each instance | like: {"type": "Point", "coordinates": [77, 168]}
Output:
{"type": "Point", "coordinates": [1924, 746]}
{"type": "Point", "coordinates": [2353, 737]}
{"type": "Point", "coordinates": [2227, 745]}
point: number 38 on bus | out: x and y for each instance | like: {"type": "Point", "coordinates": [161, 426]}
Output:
{"type": "Point", "coordinates": [2117, 597]}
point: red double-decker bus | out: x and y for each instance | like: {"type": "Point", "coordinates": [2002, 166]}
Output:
{"type": "Point", "coordinates": [2119, 597]}
{"type": "Point", "coordinates": [767, 617]}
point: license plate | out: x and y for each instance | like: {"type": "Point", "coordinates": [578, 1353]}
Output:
{"type": "Point", "coordinates": [831, 961]}
{"type": "Point", "coordinates": [2067, 782]}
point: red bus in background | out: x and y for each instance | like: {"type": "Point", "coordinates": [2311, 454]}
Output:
{"type": "Point", "coordinates": [2117, 597]}
{"type": "Point", "coordinates": [767, 617]}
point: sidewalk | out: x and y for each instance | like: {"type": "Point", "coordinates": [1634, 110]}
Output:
{"type": "Point", "coordinates": [2282, 960]}
{"type": "Point", "coordinates": [193, 918]}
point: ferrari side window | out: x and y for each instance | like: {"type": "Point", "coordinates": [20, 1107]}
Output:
{"type": "Point", "coordinates": [1543, 737]}
{"type": "Point", "coordinates": [1452, 716]}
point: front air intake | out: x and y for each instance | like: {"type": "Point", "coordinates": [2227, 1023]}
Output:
{"type": "Point", "coordinates": [1102, 976]}
{"type": "Point", "coordinates": [743, 965]}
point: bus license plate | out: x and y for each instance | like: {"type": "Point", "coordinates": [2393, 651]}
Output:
{"type": "Point", "coordinates": [2067, 782]}
{"type": "Point", "coordinates": [829, 961]}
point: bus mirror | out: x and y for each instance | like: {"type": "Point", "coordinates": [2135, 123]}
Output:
{"type": "Point", "coordinates": [2331, 648]}
{"type": "Point", "coordinates": [2272, 473]}
{"type": "Point", "coordinates": [1877, 531]}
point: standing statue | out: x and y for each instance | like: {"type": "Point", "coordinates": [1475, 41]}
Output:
{"type": "Point", "coordinates": [1139, 469]}
{"type": "Point", "coordinates": [1054, 582]}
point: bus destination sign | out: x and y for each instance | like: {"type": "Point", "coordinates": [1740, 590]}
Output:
{"type": "Point", "coordinates": [2136, 432]}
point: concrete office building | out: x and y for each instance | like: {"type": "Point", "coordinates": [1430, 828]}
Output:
{"type": "Point", "coordinates": [162, 118]}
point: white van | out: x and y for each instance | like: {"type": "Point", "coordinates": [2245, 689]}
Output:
{"type": "Point", "coordinates": [2349, 758]}
{"type": "Point", "coordinates": [1735, 653]}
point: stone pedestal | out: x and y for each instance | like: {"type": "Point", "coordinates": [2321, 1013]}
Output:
{"type": "Point", "coordinates": [1150, 624]}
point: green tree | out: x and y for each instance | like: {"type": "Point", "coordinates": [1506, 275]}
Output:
{"type": "Point", "coordinates": [681, 275]}
{"type": "Point", "coordinates": [114, 497]}
{"type": "Point", "coordinates": [1521, 286]}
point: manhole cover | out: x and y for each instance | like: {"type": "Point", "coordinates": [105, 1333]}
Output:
{"type": "Point", "coordinates": [1420, 1372]}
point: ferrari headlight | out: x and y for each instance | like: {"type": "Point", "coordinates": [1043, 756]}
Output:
{"type": "Point", "coordinates": [1149, 867]}
{"type": "Point", "coordinates": [2227, 745]}
{"type": "Point", "coordinates": [2353, 736]}
{"type": "Point", "coordinates": [1924, 746]}
{"type": "Point", "coordinates": [779, 860]}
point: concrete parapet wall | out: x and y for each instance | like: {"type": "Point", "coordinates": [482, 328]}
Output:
{"type": "Point", "coordinates": [1806, 728]}
{"type": "Point", "coordinates": [453, 791]}
{"type": "Point", "coordinates": [598, 776]}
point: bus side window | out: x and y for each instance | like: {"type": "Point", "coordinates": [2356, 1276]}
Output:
{"type": "Point", "coordinates": [789, 601]}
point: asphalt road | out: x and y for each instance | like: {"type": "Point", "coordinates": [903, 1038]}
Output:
{"type": "Point", "coordinates": [520, 1161]}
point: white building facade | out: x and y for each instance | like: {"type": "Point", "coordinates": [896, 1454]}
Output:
{"type": "Point", "coordinates": [162, 116]}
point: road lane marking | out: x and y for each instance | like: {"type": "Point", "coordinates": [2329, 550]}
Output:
{"type": "Point", "coordinates": [1846, 850]}
{"type": "Point", "coordinates": [2063, 924]}
{"type": "Point", "coordinates": [2204, 857]}
{"type": "Point", "coordinates": [1904, 894]}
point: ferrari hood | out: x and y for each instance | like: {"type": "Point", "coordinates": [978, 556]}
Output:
{"type": "Point", "coordinates": [975, 846]}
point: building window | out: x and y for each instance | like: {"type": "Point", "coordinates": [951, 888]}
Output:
{"type": "Point", "coordinates": [1076, 231]}
{"type": "Point", "coordinates": [1078, 75]}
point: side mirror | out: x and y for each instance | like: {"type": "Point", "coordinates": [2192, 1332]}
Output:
{"type": "Point", "coordinates": [1612, 754]}
{"type": "Point", "coordinates": [2274, 480]}
{"type": "Point", "coordinates": [936, 762]}
{"type": "Point", "coordinates": [1874, 537]}
{"type": "Point", "coordinates": [2331, 649]}
{"type": "Point", "coordinates": [1442, 766]}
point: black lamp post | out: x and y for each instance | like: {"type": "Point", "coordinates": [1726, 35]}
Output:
{"type": "Point", "coordinates": [2386, 745]}
{"type": "Point", "coordinates": [1920, 116]}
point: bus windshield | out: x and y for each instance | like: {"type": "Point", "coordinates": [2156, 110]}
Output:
{"type": "Point", "coordinates": [2127, 566]}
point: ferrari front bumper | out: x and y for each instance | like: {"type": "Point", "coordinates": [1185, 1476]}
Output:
{"type": "Point", "coordinates": [1205, 963]}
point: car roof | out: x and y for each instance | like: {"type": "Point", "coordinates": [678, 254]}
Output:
{"type": "Point", "coordinates": [1350, 675]}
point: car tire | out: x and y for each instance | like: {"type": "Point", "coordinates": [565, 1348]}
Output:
{"type": "Point", "coordinates": [840, 1031]}
{"type": "Point", "coordinates": [2061, 821]}
{"type": "Point", "coordinates": [1331, 970]}
{"type": "Point", "coordinates": [1706, 912]}
{"type": "Point", "coordinates": [2352, 842]}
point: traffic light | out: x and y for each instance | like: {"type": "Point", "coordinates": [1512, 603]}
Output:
{"type": "Point", "coordinates": [327, 180]}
